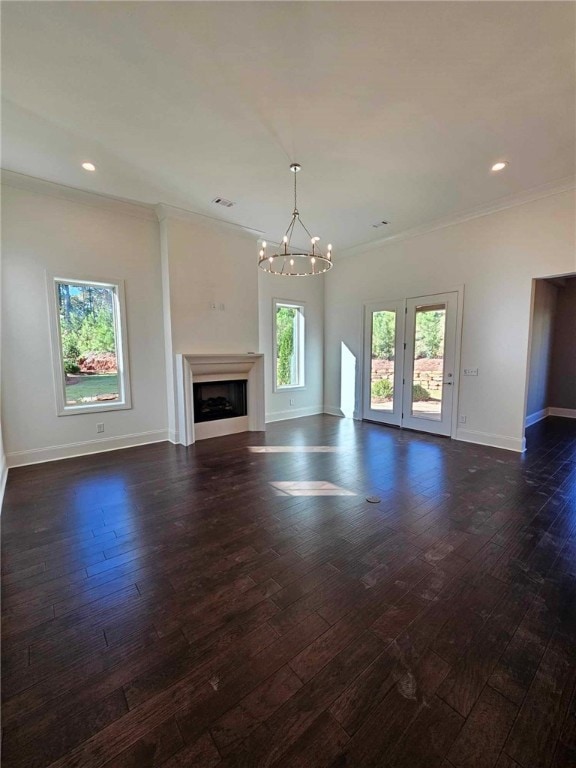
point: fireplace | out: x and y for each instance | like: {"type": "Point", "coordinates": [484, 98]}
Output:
{"type": "Point", "coordinates": [220, 400]}
{"type": "Point", "coordinates": [217, 415]}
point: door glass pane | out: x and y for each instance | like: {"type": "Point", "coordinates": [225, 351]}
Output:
{"type": "Point", "coordinates": [429, 328]}
{"type": "Point", "coordinates": [382, 362]}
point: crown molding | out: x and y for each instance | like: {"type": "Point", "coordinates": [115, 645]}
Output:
{"type": "Point", "coordinates": [566, 184]}
{"type": "Point", "coordinates": [121, 205]}
{"type": "Point", "coordinates": [164, 211]}
{"type": "Point", "coordinates": [75, 195]}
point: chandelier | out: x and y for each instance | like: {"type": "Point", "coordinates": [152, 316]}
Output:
{"type": "Point", "coordinates": [293, 261]}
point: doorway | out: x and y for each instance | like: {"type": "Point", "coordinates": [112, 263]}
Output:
{"type": "Point", "coordinates": [410, 362]}
{"type": "Point", "coordinates": [551, 374]}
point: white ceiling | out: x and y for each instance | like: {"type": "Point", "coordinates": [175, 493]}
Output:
{"type": "Point", "coordinates": [395, 110]}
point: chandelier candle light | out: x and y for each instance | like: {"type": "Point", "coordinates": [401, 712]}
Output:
{"type": "Point", "coordinates": [292, 261]}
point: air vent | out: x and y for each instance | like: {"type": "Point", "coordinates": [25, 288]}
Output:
{"type": "Point", "coordinates": [380, 224]}
{"type": "Point", "coordinates": [223, 201]}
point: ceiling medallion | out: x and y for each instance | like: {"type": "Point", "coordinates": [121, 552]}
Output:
{"type": "Point", "coordinates": [292, 261]}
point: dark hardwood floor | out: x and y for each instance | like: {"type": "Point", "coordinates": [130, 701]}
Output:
{"type": "Point", "coordinates": [240, 603]}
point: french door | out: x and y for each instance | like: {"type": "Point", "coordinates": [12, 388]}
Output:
{"type": "Point", "coordinates": [409, 362]}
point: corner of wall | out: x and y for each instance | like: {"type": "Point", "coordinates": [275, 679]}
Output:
{"type": "Point", "coordinates": [3, 478]}
{"type": "Point", "coordinates": [494, 441]}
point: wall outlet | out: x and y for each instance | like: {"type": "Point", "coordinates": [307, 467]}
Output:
{"type": "Point", "coordinates": [292, 401]}
{"type": "Point", "coordinates": [99, 427]}
{"type": "Point", "coordinates": [462, 419]}
{"type": "Point", "coordinates": [470, 371]}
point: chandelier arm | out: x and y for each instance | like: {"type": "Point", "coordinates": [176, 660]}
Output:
{"type": "Point", "coordinates": [290, 230]}
{"type": "Point", "coordinates": [305, 228]}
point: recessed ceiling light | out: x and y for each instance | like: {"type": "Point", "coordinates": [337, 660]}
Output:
{"type": "Point", "coordinates": [499, 166]}
{"type": "Point", "coordinates": [89, 166]}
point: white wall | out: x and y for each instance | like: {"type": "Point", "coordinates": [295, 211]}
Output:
{"type": "Point", "coordinates": [495, 257]}
{"type": "Point", "coordinates": [211, 263]}
{"type": "Point", "coordinates": [210, 289]}
{"type": "Point", "coordinates": [46, 233]}
{"type": "Point", "coordinates": [543, 314]}
{"type": "Point", "coordinates": [310, 291]}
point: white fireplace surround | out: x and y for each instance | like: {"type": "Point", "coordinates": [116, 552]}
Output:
{"type": "Point", "coordinates": [190, 368]}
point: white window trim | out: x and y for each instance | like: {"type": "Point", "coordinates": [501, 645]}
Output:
{"type": "Point", "coordinates": [301, 305]}
{"type": "Point", "coordinates": [125, 401]}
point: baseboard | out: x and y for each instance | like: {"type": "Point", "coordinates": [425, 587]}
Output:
{"type": "Point", "coordinates": [495, 441]}
{"type": "Point", "coordinates": [566, 413]}
{"type": "Point", "coordinates": [173, 437]}
{"type": "Point", "coordinates": [331, 411]}
{"type": "Point", "coordinates": [294, 413]}
{"type": "Point", "coordinates": [70, 450]}
{"type": "Point", "coordinates": [534, 418]}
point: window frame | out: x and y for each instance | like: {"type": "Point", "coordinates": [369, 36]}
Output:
{"type": "Point", "coordinates": [121, 336]}
{"type": "Point", "coordinates": [301, 344]}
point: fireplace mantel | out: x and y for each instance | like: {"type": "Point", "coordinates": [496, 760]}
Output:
{"type": "Point", "coordinates": [219, 366]}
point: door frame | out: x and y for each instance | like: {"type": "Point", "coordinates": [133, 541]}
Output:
{"type": "Point", "coordinates": [457, 349]}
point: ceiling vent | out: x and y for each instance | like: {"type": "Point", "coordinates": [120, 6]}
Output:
{"type": "Point", "coordinates": [223, 201]}
{"type": "Point", "coordinates": [380, 224]}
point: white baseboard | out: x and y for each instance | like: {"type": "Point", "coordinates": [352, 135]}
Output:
{"type": "Point", "coordinates": [495, 441]}
{"type": "Point", "coordinates": [566, 413]}
{"type": "Point", "coordinates": [294, 413]}
{"type": "Point", "coordinates": [536, 417]}
{"type": "Point", "coordinates": [70, 450]}
{"type": "Point", "coordinates": [173, 437]}
{"type": "Point", "coordinates": [332, 411]}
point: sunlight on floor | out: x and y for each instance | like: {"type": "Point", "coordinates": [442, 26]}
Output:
{"type": "Point", "coordinates": [295, 449]}
{"type": "Point", "coordinates": [309, 488]}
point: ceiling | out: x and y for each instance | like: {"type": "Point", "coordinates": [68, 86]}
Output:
{"type": "Point", "coordinates": [396, 110]}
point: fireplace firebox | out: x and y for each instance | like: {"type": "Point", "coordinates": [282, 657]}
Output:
{"type": "Point", "coordinates": [215, 400]}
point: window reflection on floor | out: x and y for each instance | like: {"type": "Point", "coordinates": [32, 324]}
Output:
{"type": "Point", "coordinates": [309, 488]}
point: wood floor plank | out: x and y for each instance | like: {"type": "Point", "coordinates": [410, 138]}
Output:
{"type": "Point", "coordinates": [152, 750]}
{"type": "Point", "coordinates": [535, 733]}
{"type": "Point", "coordinates": [481, 739]}
{"type": "Point", "coordinates": [201, 754]}
{"type": "Point", "coordinates": [467, 679]}
{"type": "Point", "coordinates": [428, 738]}
{"type": "Point", "coordinates": [259, 705]}
{"type": "Point", "coordinates": [270, 742]}
{"type": "Point", "coordinates": [318, 746]}
{"type": "Point", "coordinates": [383, 728]}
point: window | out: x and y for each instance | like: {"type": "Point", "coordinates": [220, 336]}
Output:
{"type": "Point", "coordinates": [288, 344]}
{"type": "Point", "coordinates": [88, 345]}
